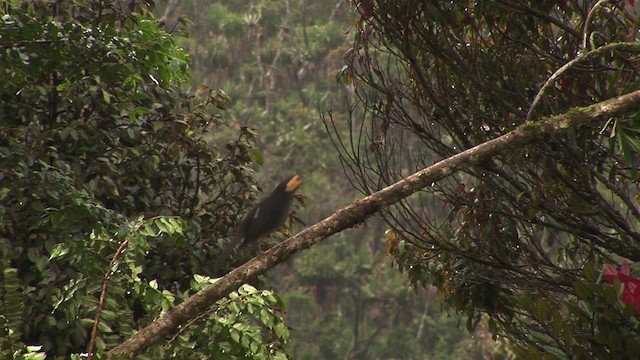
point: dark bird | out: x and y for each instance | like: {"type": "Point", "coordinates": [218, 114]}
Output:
{"type": "Point", "coordinates": [263, 219]}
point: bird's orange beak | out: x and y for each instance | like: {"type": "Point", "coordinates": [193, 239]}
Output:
{"type": "Point", "coordinates": [293, 184]}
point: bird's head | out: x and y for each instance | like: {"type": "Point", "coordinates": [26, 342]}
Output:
{"type": "Point", "coordinates": [293, 184]}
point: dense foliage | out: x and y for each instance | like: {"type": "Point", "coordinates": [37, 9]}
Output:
{"type": "Point", "coordinates": [521, 240]}
{"type": "Point", "coordinates": [108, 170]}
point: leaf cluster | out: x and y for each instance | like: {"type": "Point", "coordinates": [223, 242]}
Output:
{"type": "Point", "coordinates": [245, 325]}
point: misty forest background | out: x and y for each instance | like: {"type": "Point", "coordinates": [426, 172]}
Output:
{"type": "Point", "coordinates": [134, 135]}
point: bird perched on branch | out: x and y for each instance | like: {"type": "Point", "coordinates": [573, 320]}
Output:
{"type": "Point", "coordinates": [266, 217]}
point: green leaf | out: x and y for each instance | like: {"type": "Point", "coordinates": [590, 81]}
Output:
{"type": "Point", "coordinates": [557, 324]}
{"type": "Point", "coordinates": [582, 290]}
{"type": "Point", "coordinates": [235, 335]}
{"type": "Point", "coordinates": [610, 295]}
{"type": "Point", "coordinates": [35, 355]}
{"type": "Point", "coordinates": [201, 279]}
{"type": "Point", "coordinates": [12, 298]}
{"type": "Point", "coordinates": [282, 331]}
{"type": "Point", "coordinates": [542, 310]}
{"type": "Point", "coordinates": [568, 336]}
{"type": "Point", "coordinates": [578, 311]}
{"type": "Point", "coordinates": [629, 311]}
{"type": "Point", "coordinates": [163, 225]}
{"type": "Point", "coordinates": [267, 318]}
{"type": "Point", "coordinates": [148, 230]}
{"type": "Point", "coordinates": [106, 96]}
{"type": "Point", "coordinates": [58, 250]}
{"type": "Point", "coordinates": [247, 289]}
{"type": "Point", "coordinates": [589, 272]}
{"type": "Point", "coordinates": [632, 347]}
{"type": "Point", "coordinates": [257, 157]}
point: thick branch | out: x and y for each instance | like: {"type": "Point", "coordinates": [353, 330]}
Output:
{"type": "Point", "coordinates": [358, 211]}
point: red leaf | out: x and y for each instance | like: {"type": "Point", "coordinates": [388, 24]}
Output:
{"type": "Point", "coordinates": [566, 85]}
{"type": "Point", "coordinates": [367, 8]}
{"type": "Point", "coordinates": [631, 294]}
{"type": "Point", "coordinates": [626, 279]}
{"type": "Point", "coordinates": [632, 3]}
{"type": "Point", "coordinates": [610, 273]}
{"type": "Point", "coordinates": [636, 297]}
{"type": "Point", "coordinates": [367, 31]}
{"type": "Point", "coordinates": [631, 290]}
{"type": "Point", "coordinates": [627, 295]}
{"type": "Point", "coordinates": [625, 267]}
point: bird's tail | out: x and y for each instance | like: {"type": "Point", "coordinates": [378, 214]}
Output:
{"type": "Point", "coordinates": [225, 253]}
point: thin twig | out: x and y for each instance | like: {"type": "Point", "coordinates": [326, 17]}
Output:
{"type": "Point", "coordinates": [103, 298]}
{"type": "Point", "coordinates": [587, 22]}
{"type": "Point", "coordinates": [624, 46]}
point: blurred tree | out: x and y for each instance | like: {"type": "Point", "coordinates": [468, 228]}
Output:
{"type": "Point", "coordinates": [519, 240]}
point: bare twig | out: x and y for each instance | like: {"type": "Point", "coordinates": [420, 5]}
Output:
{"type": "Point", "coordinates": [587, 22]}
{"type": "Point", "coordinates": [103, 298]}
{"type": "Point", "coordinates": [589, 55]}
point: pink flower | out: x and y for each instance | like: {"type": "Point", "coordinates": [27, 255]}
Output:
{"type": "Point", "coordinates": [631, 285]}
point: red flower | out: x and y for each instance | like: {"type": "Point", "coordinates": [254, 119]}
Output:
{"type": "Point", "coordinates": [631, 285]}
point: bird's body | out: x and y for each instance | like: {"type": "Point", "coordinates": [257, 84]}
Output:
{"type": "Point", "coordinates": [266, 217]}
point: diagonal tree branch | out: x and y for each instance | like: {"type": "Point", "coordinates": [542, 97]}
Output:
{"type": "Point", "coordinates": [359, 210]}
